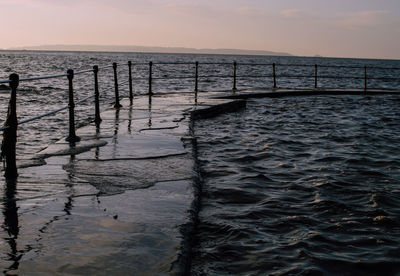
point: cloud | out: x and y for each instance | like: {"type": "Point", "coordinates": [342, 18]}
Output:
{"type": "Point", "coordinates": [292, 13]}
{"type": "Point", "coordinates": [245, 10]}
{"type": "Point", "coordinates": [362, 19]}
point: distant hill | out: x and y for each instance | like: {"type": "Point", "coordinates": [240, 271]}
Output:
{"type": "Point", "coordinates": [146, 49]}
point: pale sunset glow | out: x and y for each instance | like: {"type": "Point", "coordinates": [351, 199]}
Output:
{"type": "Point", "coordinates": [340, 28]}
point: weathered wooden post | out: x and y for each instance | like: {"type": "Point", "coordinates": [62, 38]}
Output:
{"type": "Point", "coordinates": [274, 74]}
{"type": "Point", "coordinates": [196, 77]}
{"type": "Point", "coordinates": [365, 78]}
{"type": "Point", "coordinates": [150, 77]}
{"type": "Point", "coordinates": [72, 136]}
{"type": "Point", "coordinates": [130, 82]}
{"type": "Point", "coordinates": [8, 147]}
{"type": "Point", "coordinates": [315, 76]}
{"type": "Point", "coordinates": [97, 118]}
{"type": "Point", "coordinates": [234, 76]}
{"type": "Point", "coordinates": [117, 104]}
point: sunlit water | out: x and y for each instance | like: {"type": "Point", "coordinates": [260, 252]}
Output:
{"type": "Point", "coordinates": [291, 186]}
{"type": "Point", "coordinates": [301, 186]}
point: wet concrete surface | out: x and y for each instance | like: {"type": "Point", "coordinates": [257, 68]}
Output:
{"type": "Point", "coordinates": [116, 203]}
{"type": "Point", "coordinates": [120, 201]}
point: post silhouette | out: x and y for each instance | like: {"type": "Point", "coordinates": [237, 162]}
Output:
{"type": "Point", "coordinates": [150, 78]}
{"type": "Point", "coordinates": [315, 76]}
{"type": "Point", "coordinates": [117, 104]}
{"type": "Point", "coordinates": [8, 146]}
{"type": "Point", "coordinates": [234, 76]}
{"type": "Point", "coordinates": [97, 118]}
{"type": "Point", "coordinates": [196, 77]}
{"type": "Point", "coordinates": [130, 83]}
{"type": "Point", "coordinates": [72, 138]}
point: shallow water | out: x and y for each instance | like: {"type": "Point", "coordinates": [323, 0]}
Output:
{"type": "Point", "coordinates": [299, 186]}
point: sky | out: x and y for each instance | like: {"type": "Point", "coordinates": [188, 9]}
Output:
{"type": "Point", "coordinates": [333, 28]}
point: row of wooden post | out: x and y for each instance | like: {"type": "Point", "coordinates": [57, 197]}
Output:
{"type": "Point", "coordinates": [8, 147]}
{"type": "Point", "coordinates": [274, 76]}
{"type": "Point", "coordinates": [11, 123]}
{"type": "Point", "coordinates": [196, 77]}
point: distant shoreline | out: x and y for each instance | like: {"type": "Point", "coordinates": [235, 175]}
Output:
{"type": "Point", "coordinates": [146, 49]}
{"type": "Point", "coordinates": [167, 50]}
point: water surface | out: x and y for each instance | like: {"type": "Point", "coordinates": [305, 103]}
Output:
{"type": "Point", "coordinates": [298, 186]}
{"type": "Point", "coordinates": [43, 96]}
{"type": "Point", "coordinates": [291, 186]}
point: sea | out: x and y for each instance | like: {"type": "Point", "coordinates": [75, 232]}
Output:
{"type": "Point", "coordinates": [305, 185]}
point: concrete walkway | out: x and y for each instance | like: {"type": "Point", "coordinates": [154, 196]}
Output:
{"type": "Point", "coordinates": [119, 202]}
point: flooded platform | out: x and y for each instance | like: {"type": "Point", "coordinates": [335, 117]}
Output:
{"type": "Point", "coordinates": [121, 200]}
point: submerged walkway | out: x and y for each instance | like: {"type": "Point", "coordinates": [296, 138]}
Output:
{"type": "Point", "coordinates": [122, 201]}
{"type": "Point", "coordinates": [119, 202]}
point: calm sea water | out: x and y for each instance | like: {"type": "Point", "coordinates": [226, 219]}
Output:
{"type": "Point", "coordinates": [304, 185]}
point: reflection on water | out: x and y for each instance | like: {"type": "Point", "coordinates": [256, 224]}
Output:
{"type": "Point", "coordinates": [97, 149]}
{"type": "Point", "coordinates": [150, 114]}
{"type": "Point", "coordinates": [299, 186]}
{"type": "Point", "coordinates": [31, 196]}
{"type": "Point", "coordinates": [11, 224]}
{"type": "Point", "coordinates": [130, 119]}
{"type": "Point", "coordinates": [116, 123]}
{"type": "Point", "coordinates": [115, 136]}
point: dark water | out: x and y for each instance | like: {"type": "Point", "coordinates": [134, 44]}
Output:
{"type": "Point", "coordinates": [292, 186]}
{"type": "Point", "coordinates": [301, 186]}
{"type": "Point", "coordinates": [42, 96]}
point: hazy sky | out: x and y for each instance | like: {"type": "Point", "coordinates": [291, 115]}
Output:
{"type": "Point", "coordinates": [340, 28]}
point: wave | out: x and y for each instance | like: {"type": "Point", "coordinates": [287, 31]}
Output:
{"type": "Point", "coordinates": [316, 200]}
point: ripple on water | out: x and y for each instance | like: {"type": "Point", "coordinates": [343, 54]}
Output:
{"type": "Point", "coordinates": [306, 185]}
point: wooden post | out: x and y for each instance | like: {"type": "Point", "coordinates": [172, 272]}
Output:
{"type": "Point", "coordinates": [365, 78]}
{"type": "Point", "coordinates": [117, 104]}
{"type": "Point", "coordinates": [234, 76]}
{"type": "Point", "coordinates": [150, 77]}
{"type": "Point", "coordinates": [274, 74]}
{"type": "Point", "coordinates": [72, 136]}
{"type": "Point", "coordinates": [196, 77]}
{"type": "Point", "coordinates": [8, 146]}
{"type": "Point", "coordinates": [130, 83]}
{"type": "Point", "coordinates": [315, 76]}
{"type": "Point", "coordinates": [97, 118]}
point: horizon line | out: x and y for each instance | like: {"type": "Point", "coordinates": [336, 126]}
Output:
{"type": "Point", "coordinates": [164, 50]}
